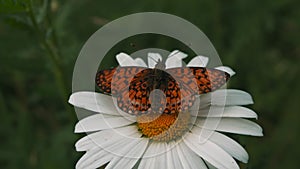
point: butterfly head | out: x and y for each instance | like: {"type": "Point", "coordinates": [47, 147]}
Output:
{"type": "Point", "coordinates": [160, 65]}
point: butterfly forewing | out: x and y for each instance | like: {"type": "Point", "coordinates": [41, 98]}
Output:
{"type": "Point", "coordinates": [206, 79]}
{"type": "Point", "coordinates": [116, 79]}
{"type": "Point", "coordinates": [103, 80]}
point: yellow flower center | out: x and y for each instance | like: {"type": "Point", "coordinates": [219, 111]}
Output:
{"type": "Point", "coordinates": [164, 127]}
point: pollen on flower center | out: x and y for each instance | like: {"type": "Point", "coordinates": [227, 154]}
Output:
{"type": "Point", "coordinates": [163, 127]}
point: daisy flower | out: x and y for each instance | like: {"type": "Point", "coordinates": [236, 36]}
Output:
{"type": "Point", "coordinates": [193, 140]}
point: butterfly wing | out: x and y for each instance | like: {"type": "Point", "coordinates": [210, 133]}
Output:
{"type": "Point", "coordinates": [135, 98]}
{"type": "Point", "coordinates": [111, 81]}
{"type": "Point", "coordinates": [103, 80]}
{"type": "Point", "coordinates": [187, 85]}
{"type": "Point", "coordinates": [139, 99]}
{"type": "Point", "coordinates": [206, 79]}
{"type": "Point", "coordinates": [209, 79]}
{"type": "Point", "coordinates": [197, 80]}
{"type": "Point", "coordinates": [129, 85]}
{"type": "Point", "coordinates": [132, 87]}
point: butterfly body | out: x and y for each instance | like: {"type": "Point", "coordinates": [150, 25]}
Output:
{"type": "Point", "coordinates": [132, 87]}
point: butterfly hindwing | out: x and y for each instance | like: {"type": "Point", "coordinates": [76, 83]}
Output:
{"type": "Point", "coordinates": [140, 101]}
{"type": "Point", "coordinates": [135, 98]}
{"type": "Point", "coordinates": [187, 86]}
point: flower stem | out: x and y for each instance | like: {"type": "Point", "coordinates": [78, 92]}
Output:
{"type": "Point", "coordinates": [53, 55]}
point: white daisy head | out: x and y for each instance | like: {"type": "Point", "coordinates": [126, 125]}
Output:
{"type": "Point", "coordinates": [184, 140]}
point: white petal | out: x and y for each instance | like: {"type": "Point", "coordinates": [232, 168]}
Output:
{"type": "Point", "coordinates": [182, 158]}
{"type": "Point", "coordinates": [229, 145]}
{"type": "Point", "coordinates": [148, 160]}
{"type": "Point", "coordinates": [226, 69]}
{"type": "Point", "coordinates": [232, 125]}
{"type": "Point", "coordinates": [95, 140]}
{"type": "Point", "coordinates": [175, 157]}
{"type": "Point", "coordinates": [175, 59]}
{"type": "Point", "coordinates": [140, 62]}
{"type": "Point", "coordinates": [132, 152]}
{"type": "Point", "coordinates": [96, 102]}
{"type": "Point", "coordinates": [126, 60]}
{"type": "Point", "coordinates": [153, 58]}
{"type": "Point", "coordinates": [188, 158]}
{"type": "Point", "coordinates": [229, 97]}
{"type": "Point", "coordinates": [160, 161]}
{"type": "Point", "coordinates": [198, 61]}
{"type": "Point", "coordinates": [210, 152]}
{"type": "Point", "coordinates": [93, 159]}
{"type": "Point", "coordinates": [169, 156]}
{"type": "Point", "coordinates": [239, 111]}
{"type": "Point", "coordinates": [112, 150]}
{"type": "Point", "coordinates": [230, 111]}
{"type": "Point", "coordinates": [210, 166]}
{"type": "Point", "coordinates": [100, 122]}
{"type": "Point", "coordinates": [120, 146]}
{"type": "Point", "coordinates": [101, 138]}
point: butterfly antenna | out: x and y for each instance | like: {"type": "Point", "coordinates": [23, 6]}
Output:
{"type": "Point", "coordinates": [154, 59]}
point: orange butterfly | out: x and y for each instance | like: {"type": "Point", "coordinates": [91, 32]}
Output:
{"type": "Point", "coordinates": [132, 86]}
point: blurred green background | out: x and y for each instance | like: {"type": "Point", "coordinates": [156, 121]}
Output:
{"type": "Point", "coordinates": [41, 39]}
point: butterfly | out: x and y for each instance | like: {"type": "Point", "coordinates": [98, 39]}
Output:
{"type": "Point", "coordinates": [132, 87]}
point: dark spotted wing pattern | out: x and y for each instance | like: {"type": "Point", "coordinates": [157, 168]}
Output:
{"type": "Point", "coordinates": [206, 79]}
{"type": "Point", "coordinates": [132, 87]}
{"type": "Point", "coordinates": [121, 76]}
